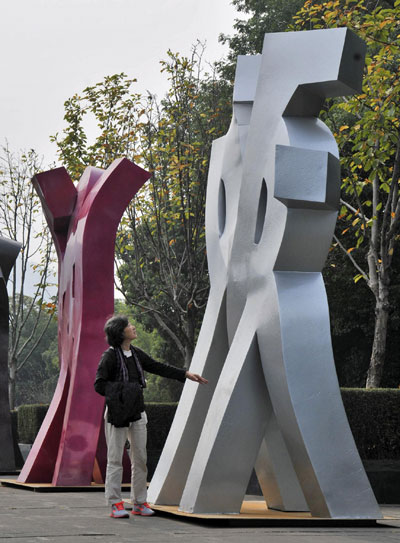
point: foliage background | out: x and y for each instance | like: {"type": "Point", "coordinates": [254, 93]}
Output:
{"type": "Point", "coordinates": [161, 256]}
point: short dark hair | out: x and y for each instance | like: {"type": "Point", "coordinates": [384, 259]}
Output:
{"type": "Point", "coordinates": [114, 329]}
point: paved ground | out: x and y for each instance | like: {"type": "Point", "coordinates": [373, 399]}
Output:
{"type": "Point", "coordinates": [27, 517]}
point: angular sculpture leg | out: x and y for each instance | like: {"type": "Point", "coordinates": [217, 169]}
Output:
{"type": "Point", "coordinates": [275, 472]}
{"type": "Point", "coordinates": [307, 401]}
{"type": "Point", "coordinates": [39, 465]}
{"type": "Point", "coordinates": [232, 433]}
{"type": "Point", "coordinates": [173, 467]}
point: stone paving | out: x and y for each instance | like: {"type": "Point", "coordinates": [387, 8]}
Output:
{"type": "Point", "coordinates": [83, 517]}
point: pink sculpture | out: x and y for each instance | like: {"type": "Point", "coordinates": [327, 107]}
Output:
{"type": "Point", "coordinates": [83, 221]}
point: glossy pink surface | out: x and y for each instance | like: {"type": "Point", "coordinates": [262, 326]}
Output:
{"type": "Point", "coordinates": [83, 221]}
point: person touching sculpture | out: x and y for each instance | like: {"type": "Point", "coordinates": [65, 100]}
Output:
{"type": "Point", "coordinates": [120, 378]}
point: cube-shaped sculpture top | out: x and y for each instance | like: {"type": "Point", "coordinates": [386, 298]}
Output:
{"type": "Point", "coordinates": [83, 221]}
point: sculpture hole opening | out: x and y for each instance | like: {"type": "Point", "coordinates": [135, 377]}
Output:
{"type": "Point", "coordinates": [221, 207]}
{"type": "Point", "coordinates": [262, 208]}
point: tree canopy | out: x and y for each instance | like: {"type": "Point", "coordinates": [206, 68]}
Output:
{"type": "Point", "coordinates": [161, 256]}
{"type": "Point", "coordinates": [367, 129]}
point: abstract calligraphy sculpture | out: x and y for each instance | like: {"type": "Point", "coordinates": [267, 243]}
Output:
{"type": "Point", "coordinates": [83, 221]}
{"type": "Point", "coordinates": [273, 402]}
{"type": "Point", "coordinates": [9, 455]}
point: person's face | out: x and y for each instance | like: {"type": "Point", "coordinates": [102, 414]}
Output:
{"type": "Point", "coordinates": [130, 332]}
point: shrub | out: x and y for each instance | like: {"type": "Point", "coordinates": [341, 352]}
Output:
{"type": "Point", "coordinates": [30, 418]}
{"type": "Point", "coordinates": [374, 417]}
{"type": "Point", "coordinates": [160, 417]}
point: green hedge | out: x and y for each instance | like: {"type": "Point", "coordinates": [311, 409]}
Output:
{"type": "Point", "coordinates": [160, 417]}
{"type": "Point", "coordinates": [30, 418]}
{"type": "Point", "coordinates": [374, 417]}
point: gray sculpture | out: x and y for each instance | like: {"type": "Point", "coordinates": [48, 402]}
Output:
{"type": "Point", "coordinates": [10, 456]}
{"type": "Point", "coordinates": [265, 342]}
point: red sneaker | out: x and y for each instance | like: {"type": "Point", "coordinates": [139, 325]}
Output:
{"type": "Point", "coordinates": [142, 509]}
{"type": "Point", "coordinates": [118, 510]}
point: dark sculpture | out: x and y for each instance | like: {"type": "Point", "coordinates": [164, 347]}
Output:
{"type": "Point", "coordinates": [10, 456]}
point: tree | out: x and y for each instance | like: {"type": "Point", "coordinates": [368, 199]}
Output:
{"type": "Point", "coordinates": [37, 378]}
{"type": "Point", "coordinates": [21, 220]}
{"type": "Point", "coordinates": [367, 129]}
{"type": "Point", "coordinates": [263, 16]}
{"type": "Point", "coordinates": [161, 255]}
{"type": "Point", "coordinates": [158, 388]}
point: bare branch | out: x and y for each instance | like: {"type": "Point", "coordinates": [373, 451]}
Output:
{"type": "Point", "coordinates": [35, 344]}
{"type": "Point", "coordinates": [350, 256]}
{"type": "Point", "coordinates": [355, 211]}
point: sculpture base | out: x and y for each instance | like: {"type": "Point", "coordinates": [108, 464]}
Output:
{"type": "Point", "coordinates": [48, 487]}
{"type": "Point", "coordinates": [256, 513]}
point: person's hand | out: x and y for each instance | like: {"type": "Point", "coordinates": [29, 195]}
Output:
{"type": "Point", "coordinates": [195, 377]}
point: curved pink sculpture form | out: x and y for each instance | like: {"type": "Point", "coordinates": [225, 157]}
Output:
{"type": "Point", "coordinates": [83, 221]}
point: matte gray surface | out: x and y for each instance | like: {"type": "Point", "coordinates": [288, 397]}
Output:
{"type": "Point", "coordinates": [212, 347]}
{"type": "Point", "coordinates": [83, 517]}
{"type": "Point", "coordinates": [9, 453]}
{"type": "Point", "coordinates": [269, 228]}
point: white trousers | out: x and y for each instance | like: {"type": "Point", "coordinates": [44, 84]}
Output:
{"type": "Point", "coordinates": [116, 438]}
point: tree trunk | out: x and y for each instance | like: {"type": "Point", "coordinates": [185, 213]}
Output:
{"type": "Point", "coordinates": [377, 361]}
{"type": "Point", "coordinates": [11, 384]}
{"type": "Point", "coordinates": [188, 356]}
{"type": "Point", "coordinates": [189, 326]}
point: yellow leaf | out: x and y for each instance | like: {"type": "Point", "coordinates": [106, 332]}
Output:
{"type": "Point", "coordinates": [393, 214]}
{"type": "Point", "coordinates": [343, 127]}
{"type": "Point", "coordinates": [390, 252]}
{"type": "Point", "coordinates": [351, 249]}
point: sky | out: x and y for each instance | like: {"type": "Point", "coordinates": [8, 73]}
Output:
{"type": "Point", "coordinates": [52, 49]}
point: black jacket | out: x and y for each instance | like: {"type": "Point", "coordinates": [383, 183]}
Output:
{"type": "Point", "coordinates": [125, 399]}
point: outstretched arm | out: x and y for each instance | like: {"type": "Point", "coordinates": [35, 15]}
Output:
{"type": "Point", "coordinates": [165, 370]}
